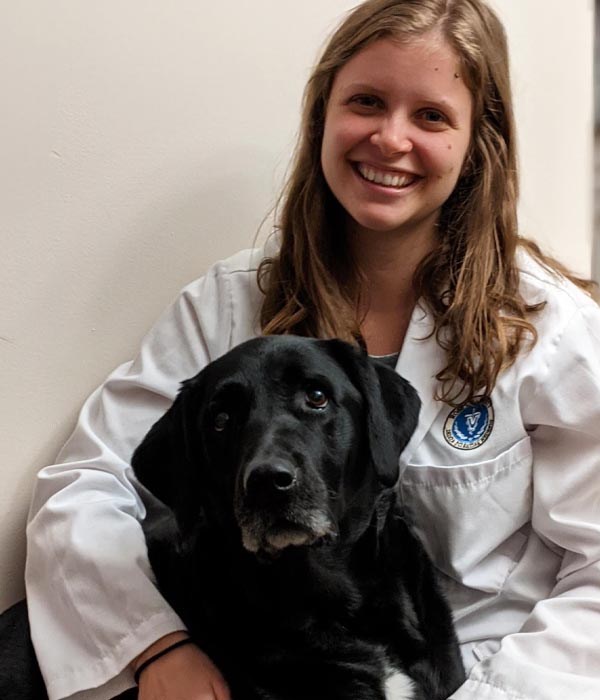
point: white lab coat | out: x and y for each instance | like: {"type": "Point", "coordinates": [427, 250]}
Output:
{"type": "Point", "coordinates": [513, 524]}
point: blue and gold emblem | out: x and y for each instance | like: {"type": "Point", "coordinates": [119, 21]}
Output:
{"type": "Point", "coordinates": [470, 425]}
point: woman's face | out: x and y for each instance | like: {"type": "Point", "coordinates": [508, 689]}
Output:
{"type": "Point", "coordinates": [397, 130]}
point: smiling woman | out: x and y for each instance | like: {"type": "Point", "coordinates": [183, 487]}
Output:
{"type": "Point", "coordinates": [398, 232]}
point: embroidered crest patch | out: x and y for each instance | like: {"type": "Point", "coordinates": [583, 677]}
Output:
{"type": "Point", "coordinates": [470, 425]}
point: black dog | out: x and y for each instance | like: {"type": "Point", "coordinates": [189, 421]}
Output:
{"type": "Point", "coordinates": [293, 561]}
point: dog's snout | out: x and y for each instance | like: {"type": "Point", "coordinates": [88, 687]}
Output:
{"type": "Point", "coordinates": [269, 478]}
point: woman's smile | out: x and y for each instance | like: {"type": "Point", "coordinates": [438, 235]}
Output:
{"type": "Point", "coordinates": [390, 179]}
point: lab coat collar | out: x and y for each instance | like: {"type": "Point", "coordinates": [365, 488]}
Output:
{"type": "Point", "coordinates": [420, 359]}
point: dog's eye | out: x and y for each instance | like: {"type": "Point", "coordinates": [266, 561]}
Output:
{"type": "Point", "coordinates": [316, 398]}
{"type": "Point", "coordinates": [220, 421]}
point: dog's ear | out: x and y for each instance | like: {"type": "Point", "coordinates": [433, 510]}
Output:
{"type": "Point", "coordinates": [392, 406]}
{"type": "Point", "coordinates": [163, 461]}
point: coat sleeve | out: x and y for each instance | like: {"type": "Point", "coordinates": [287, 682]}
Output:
{"type": "Point", "coordinates": [92, 603]}
{"type": "Point", "coordinates": [556, 654]}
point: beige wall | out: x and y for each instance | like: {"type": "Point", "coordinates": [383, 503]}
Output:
{"type": "Point", "coordinates": [143, 140]}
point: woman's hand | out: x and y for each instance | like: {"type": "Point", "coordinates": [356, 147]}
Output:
{"type": "Point", "coordinates": [186, 673]}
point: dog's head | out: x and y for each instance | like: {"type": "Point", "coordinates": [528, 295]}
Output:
{"type": "Point", "coordinates": [288, 440]}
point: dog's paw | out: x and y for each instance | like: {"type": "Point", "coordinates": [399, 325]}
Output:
{"type": "Point", "coordinates": [399, 687]}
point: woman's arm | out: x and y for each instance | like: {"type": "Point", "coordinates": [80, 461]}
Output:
{"type": "Point", "coordinates": [556, 654]}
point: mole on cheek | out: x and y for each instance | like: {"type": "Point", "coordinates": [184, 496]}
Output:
{"type": "Point", "coordinates": [449, 146]}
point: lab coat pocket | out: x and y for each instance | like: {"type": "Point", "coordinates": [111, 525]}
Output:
{"type": "Point", "coordinates": [470, 515]}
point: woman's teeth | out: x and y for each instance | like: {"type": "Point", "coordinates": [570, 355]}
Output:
{"type": "Point", "coordinates": [386, 179]}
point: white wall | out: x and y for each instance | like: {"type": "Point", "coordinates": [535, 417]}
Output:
{"type": "Point", "coordinates": [552, 57]}
{"type": "Point", "coordinates": [142, 140]}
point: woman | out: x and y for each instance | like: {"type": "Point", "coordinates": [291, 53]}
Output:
{"type": "Point", "coordinates": [398, 231]}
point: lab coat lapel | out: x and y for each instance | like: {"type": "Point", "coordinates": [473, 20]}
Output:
{"type": "Point", "coordinates": [421, 358]}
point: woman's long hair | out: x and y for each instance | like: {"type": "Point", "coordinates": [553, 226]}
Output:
{"type": "Point", "coordinates": [470, 281]}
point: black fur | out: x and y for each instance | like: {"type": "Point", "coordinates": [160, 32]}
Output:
{"type": "Point", "coordinates": [321, 619]}
{"type": "Point", "coordinates": [293, 561]}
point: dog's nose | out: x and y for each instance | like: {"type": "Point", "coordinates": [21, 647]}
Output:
{"type": "Point", "coordinates": [271, 477]}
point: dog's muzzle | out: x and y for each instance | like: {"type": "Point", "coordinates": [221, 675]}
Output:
{"type": "Point", "coordinates": [276, 507]}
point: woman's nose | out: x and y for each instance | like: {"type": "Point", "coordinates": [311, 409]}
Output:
{"type": "Point", "coordinates": [392, 136]}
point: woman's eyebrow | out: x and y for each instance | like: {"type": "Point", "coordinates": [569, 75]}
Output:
{"type": "Point", "coordinates": [362, 87]}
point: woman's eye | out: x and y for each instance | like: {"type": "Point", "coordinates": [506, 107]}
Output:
{"type": "Point", "coordinates": [368, 101]}
{"type": "Point", "coordinates": [220, 421]}
{"type": "Point", "coordinates": [432, 116]}
{"type": "Point", "coordinates": [316, 398]}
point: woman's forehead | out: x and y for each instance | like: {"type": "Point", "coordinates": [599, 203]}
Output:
{"type": "Point", "coordinates": [388, 61]}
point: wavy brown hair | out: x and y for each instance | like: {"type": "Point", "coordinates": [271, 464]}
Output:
{"type": "Point", "coordinates": [470, 281]}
